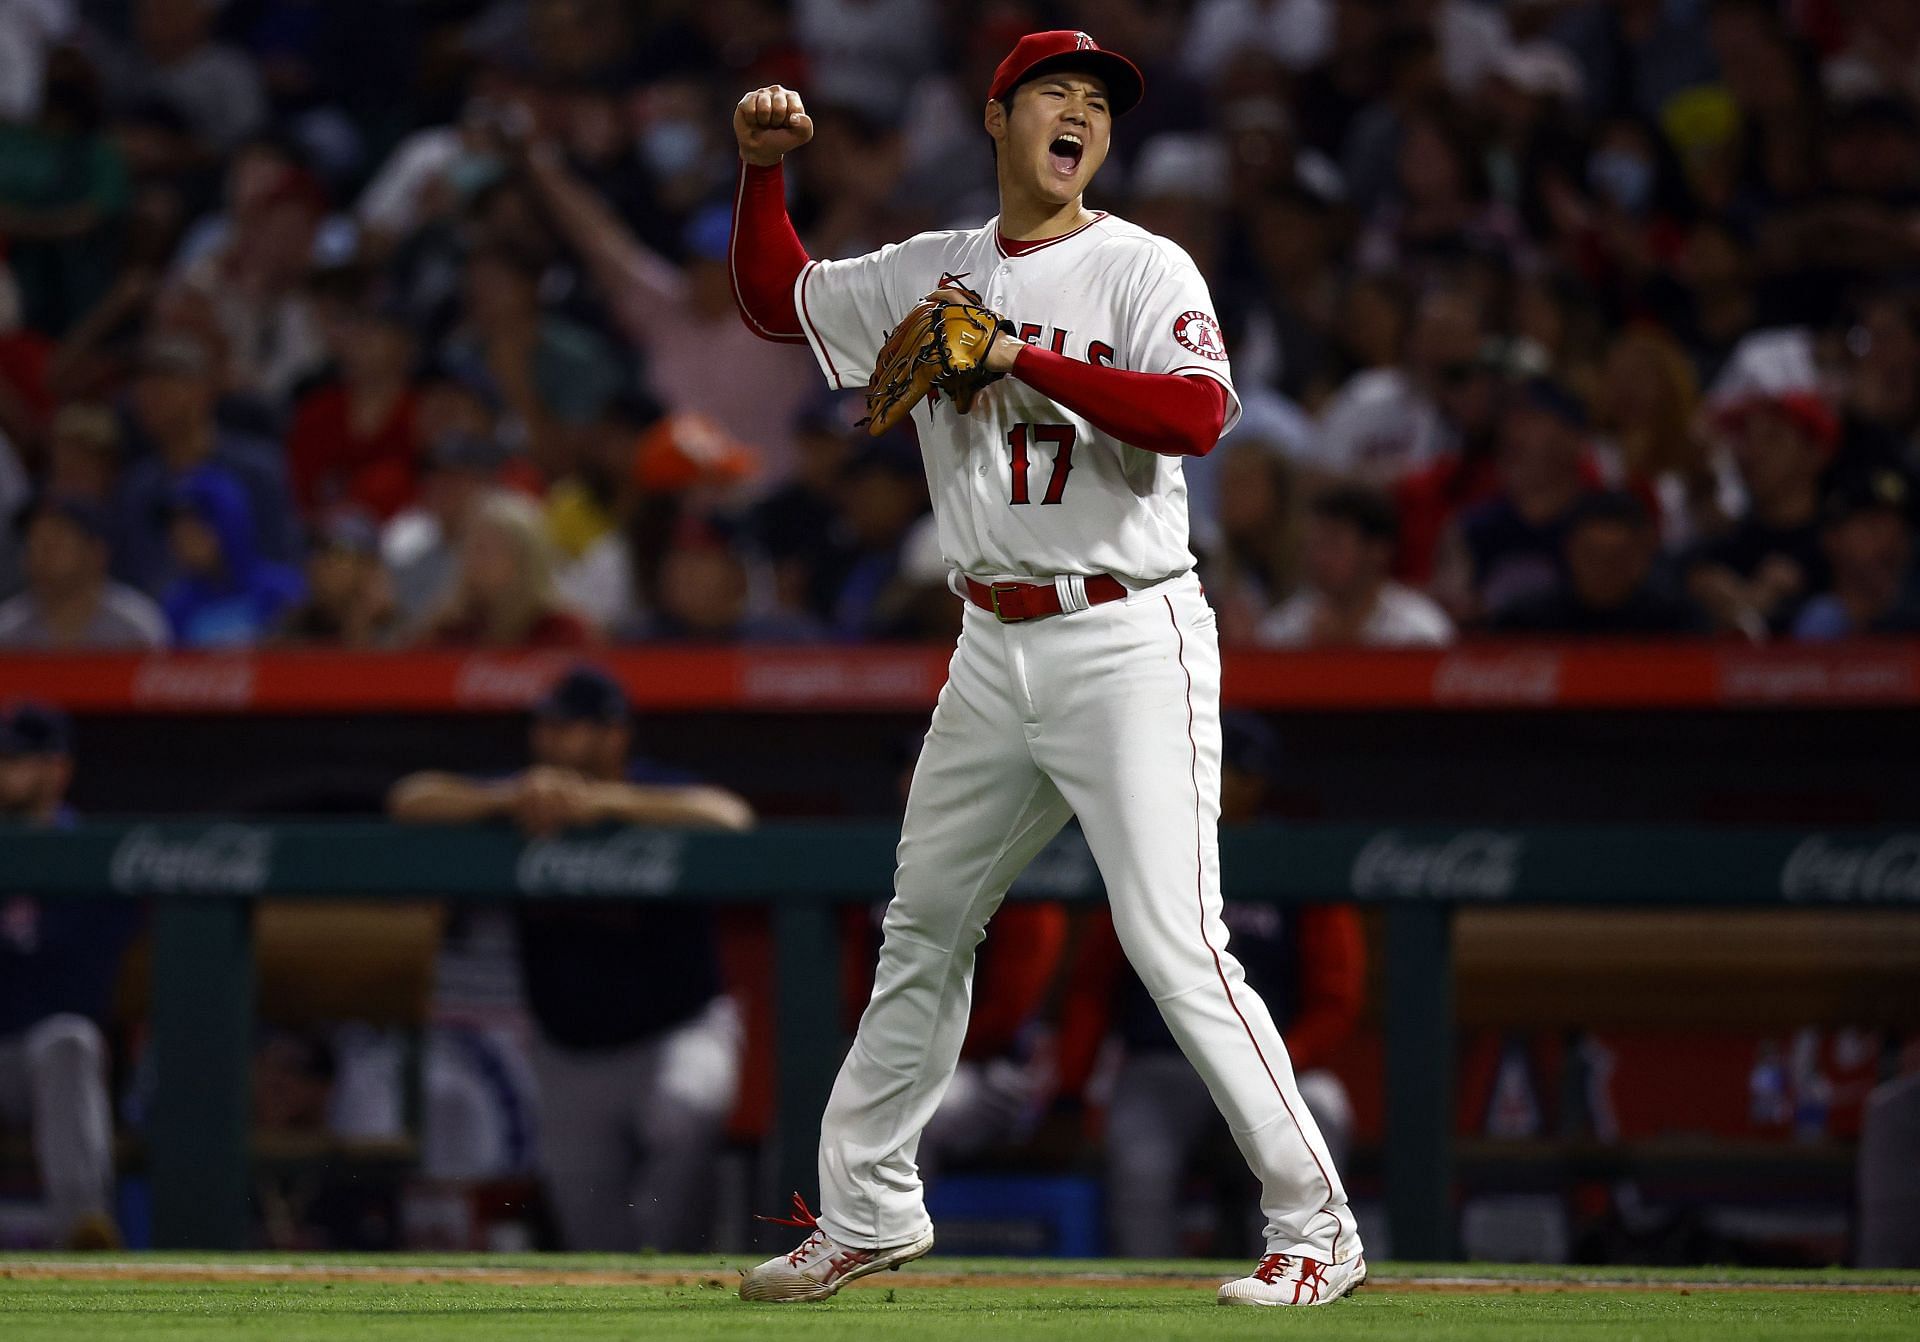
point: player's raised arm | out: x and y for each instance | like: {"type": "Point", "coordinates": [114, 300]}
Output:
{"type": "Point", "coordinates": [764, 254]}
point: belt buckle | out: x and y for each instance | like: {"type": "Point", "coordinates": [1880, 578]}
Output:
{"type": "Point", "coordinates": [994, 591]}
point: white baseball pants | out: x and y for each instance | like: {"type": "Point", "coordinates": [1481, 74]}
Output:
{"type": "Point", "coordinates": [53, 1076]}
{"type": "Point", "coordinates": [1111, 714]}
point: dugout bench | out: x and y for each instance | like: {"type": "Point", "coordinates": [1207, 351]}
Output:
{"type": "Point", "coordinates": [204, 877]}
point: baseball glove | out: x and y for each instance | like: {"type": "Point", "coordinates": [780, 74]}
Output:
{"type": "Point", "coordinates": [941, 343]}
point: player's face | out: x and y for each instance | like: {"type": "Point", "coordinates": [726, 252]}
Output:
{"type": "Point", "coordinates": [595, 749]}
{"type": "Point", "coordinates": [1056, 134]}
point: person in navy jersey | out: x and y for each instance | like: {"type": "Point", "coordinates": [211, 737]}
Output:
{"type": "Point", "coordinates": [59, 962]}
{"type": "Point", "coordinates": [636, 1045]}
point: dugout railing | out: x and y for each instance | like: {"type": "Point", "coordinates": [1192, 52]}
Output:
{"type": "Point", "coordinates": [203, 879]}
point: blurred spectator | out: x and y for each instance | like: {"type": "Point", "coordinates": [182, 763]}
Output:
{"type": "Point", "coordinates": [1609, 586]}
{"type": "Point", "coordinates": [546, 370]}
{"type": "Point", "coordinates": [614, 518]}
{"type": "Point", "coordinates": [868, 52]}
{"type": "Point", "coordinates": [211, 87]}
{"type": "Point", "coordinates": [252, 285]}
{"type": "Point", "coordinates": [70, 604]}
{"type": "Point", "coordinates": [28, 31]}
{"type": "Point", "coordinates": [349, 598]}
{"type": "Point", "coordinates": [883, 490]}
{"type": "Point", "coordinates": [1880, 412]}
{"type": "Point", "coordinates": [1294, 32]}
{"type": "Point", "coordinates": [63, 189]}
{"type": "Point", "coordinates": [698, 352]}
{"type": "Point", "coordinates": [1867, 533]}
{"type": "Point", "coordinates": [1309, 966]}
{"type": "Point", "coordinates": [792, 524]}
{"type": "Point", "coordinates": [503, 594]}
{"type": "Point", "coordinates": [1441, 207]}
{"type": "Point", "coordinates": [706, 594]}
{"type": "Point", "coordinates": [227, 594]}
{"type": "Point", "coordinates": [421, 546]}
{"type": "Point", "coordinates": [83, 454]}
{"type": "Point", "coordinates": [59, 963]}
{"type": "Point", "coordinates": [587, 505]}
{"type": "Point", "coordinates": [1387, 421]}
{"type": "Point", "coordinates": [173, 403]}
{"type": "Point", "coordinates": [1347, 598]}
{"type": "Point", "coordinates": [1753, 579]}
{"type": "Point", "coordinates": [353, 442]}
{"type": "Point", "coordinates": [1508, 549]}
{"type": "Point", "coordinates": [637, 1052]}
{"type": "Point", "coordinates": [1254, 562]}
{"type": "Point", "coordinates": [1645, 408]}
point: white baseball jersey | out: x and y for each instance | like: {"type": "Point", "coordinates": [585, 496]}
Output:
{"type": "Point", "coordinates": [1021, 486]}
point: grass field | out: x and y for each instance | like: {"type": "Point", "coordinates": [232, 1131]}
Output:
{"type": "Point", "coordinates": [242, 1298]}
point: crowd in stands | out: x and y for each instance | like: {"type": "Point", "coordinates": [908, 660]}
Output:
{"type": "Point", "coordinates": [372, 324]}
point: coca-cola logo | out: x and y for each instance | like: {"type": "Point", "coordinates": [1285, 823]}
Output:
{"type": "Point", "coordinates": [505, 682]}
{"type": "Point", "coordinates": [837, 680]}
{"type": "Point", "coordinates": [222, 860]}
{"type": "Point", "coordinates": [1887, 870]}
{"type": "Point", "coordinates": [1474, 864]}
{"type": "Point", "coordinates": [1508, 678]}
{"type": "Point", "coordinates": [194, 682]}
{"type": "Point", "coordinates": [633, 862]}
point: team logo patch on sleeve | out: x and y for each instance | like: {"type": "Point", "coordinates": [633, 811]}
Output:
{"type": "Point", "coordinates": [1199, 332]}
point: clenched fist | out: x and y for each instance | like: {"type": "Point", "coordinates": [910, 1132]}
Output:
{"type": "Point", "coordinates": [770, 123]}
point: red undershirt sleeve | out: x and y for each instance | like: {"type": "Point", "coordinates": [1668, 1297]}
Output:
{"type": "Point", "coordinates": [1174, 414]}
{"type": "Point", "coordinates": [765, 256]}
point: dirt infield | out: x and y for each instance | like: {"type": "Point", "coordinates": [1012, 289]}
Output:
{"type": "Point", "coordinates": [176, 1272]}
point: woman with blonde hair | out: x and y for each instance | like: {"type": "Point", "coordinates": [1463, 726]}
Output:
{"type": "Point", "coordinates": [504, 592]}
{"type": "Point", "coordinates": [1646, 406]}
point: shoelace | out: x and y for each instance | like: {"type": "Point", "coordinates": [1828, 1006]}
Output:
{"type": "Point", "coordinates": [1270, 1267]}
{"type": "Point", "coordinates": [802, 1219]}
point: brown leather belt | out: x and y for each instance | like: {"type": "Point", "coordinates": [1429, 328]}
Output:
{"type": "Point", "coordinates": [1013, 602]}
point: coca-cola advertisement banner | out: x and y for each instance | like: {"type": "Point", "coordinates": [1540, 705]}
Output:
{"type": "Point", "coordinates": [831, 862]}
{"type": "Point", "coordinates": [897, 679]}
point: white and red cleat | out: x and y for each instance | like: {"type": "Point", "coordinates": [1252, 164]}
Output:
{"type": "Point", "coordinates": [819, 1267]}
{"type": "Point", "coordinates": [1285, 1279]}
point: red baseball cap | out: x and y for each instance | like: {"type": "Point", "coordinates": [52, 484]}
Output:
{"type": "Point", "coordinates": [1806, 410]}
{"type": "Point", "coordinates": [1064, 49]}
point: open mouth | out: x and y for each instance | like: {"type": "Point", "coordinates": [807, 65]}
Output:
{"type": "Point", "coordinates": [1064, 154]}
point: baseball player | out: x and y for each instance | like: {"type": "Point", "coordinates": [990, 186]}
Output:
{"type": "Point", "coordinates": [1075, 359]}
